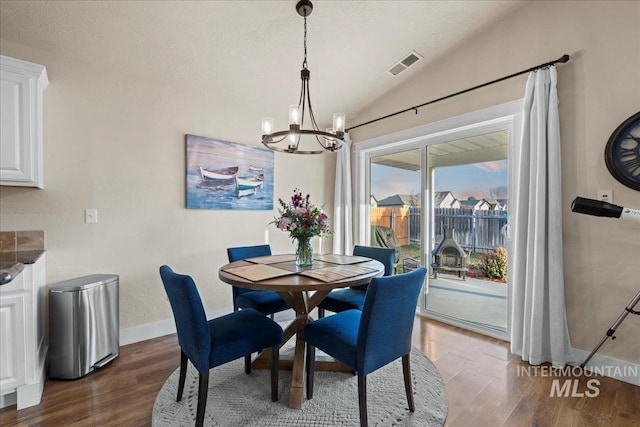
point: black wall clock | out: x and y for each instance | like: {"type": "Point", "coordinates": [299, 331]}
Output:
{"type": "Point", "coordinates": [622, 153]}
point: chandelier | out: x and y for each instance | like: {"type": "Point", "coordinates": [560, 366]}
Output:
{"type": "Point", "coordinates": [288, 141]}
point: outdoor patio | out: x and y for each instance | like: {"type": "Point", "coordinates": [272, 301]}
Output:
{"type": "Point", "coordinates": [481, 302]}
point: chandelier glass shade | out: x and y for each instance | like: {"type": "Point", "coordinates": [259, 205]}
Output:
{"type": "Point", "coordinates": [288, 141]}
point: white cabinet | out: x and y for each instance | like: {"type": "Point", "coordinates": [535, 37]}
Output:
{"type": "Point", "coordinates": [12, 344]}
{"type": "Point", "coordinates": [22, 84]}
{"type": "Point", "coordinates": [23, 348]}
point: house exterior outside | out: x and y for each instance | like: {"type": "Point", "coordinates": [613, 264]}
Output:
{"type": "Point", "coordinates": [445, 199]}
{"type": "Point", "coordinates": [497, 204]}
{"type": "Point", "coordinates": [475, 204]}
{"type": "Point", "coordinates": [400, 201]}
{"type": "Point", "coordinates": [441, 199]}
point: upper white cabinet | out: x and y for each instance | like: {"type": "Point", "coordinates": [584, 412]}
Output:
{"type": "Point", "coordinates": [21, 122]}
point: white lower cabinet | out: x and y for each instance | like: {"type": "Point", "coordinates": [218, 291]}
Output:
{"type": "Point", "coordinates": [12, 343]}
{"type": "Point", "coordinates": [23, 348]}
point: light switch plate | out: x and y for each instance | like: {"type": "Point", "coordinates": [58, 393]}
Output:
{"type": "Point", "coordinates": [605, 195]}
{"type": "Point", "coordinates": [91, 216]}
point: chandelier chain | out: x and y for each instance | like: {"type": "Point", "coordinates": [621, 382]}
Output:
{"type": "Point", "coordinates": [304, 61]}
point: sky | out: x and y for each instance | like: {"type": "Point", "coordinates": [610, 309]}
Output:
{"type": "Point", "coordinates": [486, 180]}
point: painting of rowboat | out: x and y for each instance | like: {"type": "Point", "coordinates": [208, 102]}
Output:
{"type": "Point", "coordinates": [224, 174]}
{"type": "Point", "coordinates": [228, 175]}
{"type": "Point", "coordinates": [249, 185]}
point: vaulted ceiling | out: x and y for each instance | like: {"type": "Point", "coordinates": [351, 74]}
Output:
{"type": "Point", "coordinates": [249, 53]}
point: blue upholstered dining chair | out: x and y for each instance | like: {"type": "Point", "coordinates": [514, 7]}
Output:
{"type": "Point", "coordinates": [370, 339]}
{"type": "Point", "coordinates": [353, 298]}
{"type": "Point", "coordinates": [266, 302]}
{"type": "Point", "coordinates": [211, 343]}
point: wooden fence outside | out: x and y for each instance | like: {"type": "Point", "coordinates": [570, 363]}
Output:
{"type": "Point", "coordinates": [475, 231]}
{"type": "Point", "coordinates": [394, 218]}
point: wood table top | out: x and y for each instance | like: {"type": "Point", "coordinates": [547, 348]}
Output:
{"type": "Point", "coordinates": [283, 275]}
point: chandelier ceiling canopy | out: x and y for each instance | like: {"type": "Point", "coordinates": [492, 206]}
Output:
{"type": "Point", "coordinates": [288, 141]}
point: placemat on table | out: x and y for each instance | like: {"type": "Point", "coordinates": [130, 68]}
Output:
{"type": "Point", "coordinates": [337, 273]}
{"type": "Point", "coordinates": [341, 259]}
{"type": "Point", "coordinates": [272, 259]}
{"type": "Point", "coordinates": [257, 272]}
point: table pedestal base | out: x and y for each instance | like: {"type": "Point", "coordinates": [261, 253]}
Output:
{"type": "Point", "coordinates": [302, 303]}
{"type": "Point", "coordinates": [264, 362]}
{"type": "Point", "coordinates": [286, 363]}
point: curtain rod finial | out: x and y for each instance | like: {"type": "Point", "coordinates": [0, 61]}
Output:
{"type": "Point", "coordinates": [564, 59]}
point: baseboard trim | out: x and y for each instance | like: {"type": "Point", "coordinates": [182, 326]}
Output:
{"type": "Point", "coordinates": [160, 328]}
{"type": "Point", "coordinates": [166, 327]}
{"type": "Point", "coordinates": [8, 399]}
{"type": "Point", "coordinates": [610, 367]}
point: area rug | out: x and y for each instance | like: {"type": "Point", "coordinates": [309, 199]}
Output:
{"type": "Point", "coordinates": [238, 399]}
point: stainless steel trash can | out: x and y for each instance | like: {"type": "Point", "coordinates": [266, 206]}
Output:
{"type": "Point", "coordinates": [83, 325]}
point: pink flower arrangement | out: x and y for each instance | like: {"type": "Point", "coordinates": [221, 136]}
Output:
{"type": "Point", "coordinates": [301, 218]}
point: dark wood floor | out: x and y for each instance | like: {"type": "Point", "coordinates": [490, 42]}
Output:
{"type": "Point", "coordinates": [483, 388]}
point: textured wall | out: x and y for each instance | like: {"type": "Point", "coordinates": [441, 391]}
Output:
{"type": "Point", "coordinates": [116, 142]}
{"type": "Point", "coordinates": [598, 89]}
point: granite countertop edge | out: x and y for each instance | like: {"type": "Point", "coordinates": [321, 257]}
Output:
{"type": "Point", "coordinates": [12, 263]}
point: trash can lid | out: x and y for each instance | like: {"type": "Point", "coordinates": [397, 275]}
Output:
{"type": "Point", "coordinates": [81, 283]}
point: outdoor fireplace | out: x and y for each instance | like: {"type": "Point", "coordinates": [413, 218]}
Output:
{"type": "Point", "coordinates": [449, 256]}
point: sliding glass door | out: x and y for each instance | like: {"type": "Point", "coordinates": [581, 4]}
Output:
{"type": "Point", "coordinates": [441, 199]}
{"type": "Point", "coordinates": [470, 209]}
{"type": "Point", "coordinates": [396, 217]}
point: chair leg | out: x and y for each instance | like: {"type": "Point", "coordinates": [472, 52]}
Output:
{"type": "Point", "coordinates": [275, 362]}
{"type": "Point", "coordinates": [320, 312]}
{"type": "Point", "coordinates": [203, 389]}
{"type": "Point", "coordinates": [183, 374]}
{"type": "Point", "coordinates": [362, 399]}
{"type": "Point", "coordinates": [406, 370]}
{"type": "Point", "coordinates": [311, 365]}
{"type": "Point", "coordinates": [247, 364]}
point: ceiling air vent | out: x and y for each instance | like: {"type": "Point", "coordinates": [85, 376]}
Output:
{"type": "Point", "coordinates": [406, 62]}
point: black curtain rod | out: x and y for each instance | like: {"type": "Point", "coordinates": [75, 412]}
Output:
{"type": "Point", "coordinates": [563, 59]}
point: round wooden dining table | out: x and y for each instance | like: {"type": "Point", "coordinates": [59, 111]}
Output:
{"type": "Point", "coordinates": [303, 288]}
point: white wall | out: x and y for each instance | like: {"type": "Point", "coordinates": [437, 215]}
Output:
{"type": "Point", "coordinates": [115, 141]}
{"type": "Point", "coordinates": [598, 89]}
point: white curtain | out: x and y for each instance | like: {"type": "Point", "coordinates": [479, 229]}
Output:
{"type": "Point", "coordinates": [342, 203]}
{"type": "Point", "coordinates": [539, 331]}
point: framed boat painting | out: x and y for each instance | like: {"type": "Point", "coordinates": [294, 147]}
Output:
{"type": "Point", "coordinates": [228, 175]}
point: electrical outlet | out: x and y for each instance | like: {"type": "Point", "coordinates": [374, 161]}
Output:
{"type": "Point", "coordinates": [605, 195]}
{"type": "Point", "coordinates": [91, 216]}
